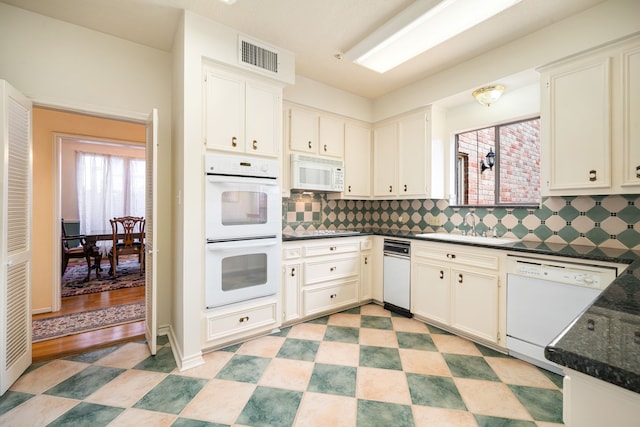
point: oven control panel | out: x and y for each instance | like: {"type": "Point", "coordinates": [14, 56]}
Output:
{"type": "Point", "coordinates": [234, 165]}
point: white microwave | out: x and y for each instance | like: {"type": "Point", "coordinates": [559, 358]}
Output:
{"type": "Point", "coordinates": [316, 173]}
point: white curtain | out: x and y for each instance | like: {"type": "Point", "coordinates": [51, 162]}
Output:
{"type": "Point", "coordinates": [108, 186]}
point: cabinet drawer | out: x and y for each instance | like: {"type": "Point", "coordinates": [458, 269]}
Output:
{"type": "Point", "coordinates": [456, 254]}
{"type": "Point", "coordinates": [232, 322]}
{"type": "Point", "coordinates": [330, 248]}
{"type": "Point", "coordinates": [292, 252]}
{"type": "Point", "coordinates": [321, 298]}
{"type": "Point", "coordinates": [329, 269]}
{"type": "Point", "coordinates": [366, 244]}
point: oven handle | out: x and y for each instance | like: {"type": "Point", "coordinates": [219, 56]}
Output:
{"type": "Point", "coordinates": [250, 243]}
{"type": "Point", "coordinates": [225, 179]}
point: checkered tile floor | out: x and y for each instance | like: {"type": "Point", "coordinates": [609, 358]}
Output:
{"type": "Point", "coordinates": [362, 367]}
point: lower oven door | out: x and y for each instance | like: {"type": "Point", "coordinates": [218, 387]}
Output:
{"type": "Point", "coordinates": [241, 270]}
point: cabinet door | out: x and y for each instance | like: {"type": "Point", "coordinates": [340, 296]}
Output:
{"type": "Point", "coordinates": [303, 131]}
{"type": "Point", "coordinates": [384, 160]}
{"type": "Point", "coordinates": [224, 112]}
{"type": "Point", "coordinates": [412, 151]}
{"type": "Point", "coordinates": [291, 291]}
{"type": "Point", "coordinates": [631, 128]}
{"type": "Point", "coordinates": [331, 137]}
{"type": "Point", "coordinates": [365, 277]}
{"type": "Point", "coordinates": [263, 113]}
{"type": "Point", "coordinates": [576, 120]}
{"type": "Point", "coordinates": [430, 291]}
{"type": "Point", "coordinates": [357, 157]}
{"type": "Point", "coordinates": [474, 298]}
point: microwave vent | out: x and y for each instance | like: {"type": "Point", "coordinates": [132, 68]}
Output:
{"type": "Point", "coordinates": [256, 56]}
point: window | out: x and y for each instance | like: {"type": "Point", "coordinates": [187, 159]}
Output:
{"type": "Point", "coordinates": [514, 179]}
{"type": "Point", "coordinates": [108, 186]}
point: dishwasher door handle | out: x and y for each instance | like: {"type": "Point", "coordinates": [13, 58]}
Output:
{"type": "Point", "coordinates": [393, 255]}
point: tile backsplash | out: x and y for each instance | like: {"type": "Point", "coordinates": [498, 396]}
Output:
{"type": "Point", "coordinates": [606, 221]}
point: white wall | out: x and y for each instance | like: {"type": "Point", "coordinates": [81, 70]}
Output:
{"type": "Point", "coordinates": [66, 66]}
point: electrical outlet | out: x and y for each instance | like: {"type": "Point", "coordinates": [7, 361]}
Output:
{"type": "Point", "coordinates": [434, 221]}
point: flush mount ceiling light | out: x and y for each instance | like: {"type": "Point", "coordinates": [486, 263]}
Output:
{"type": "Point", "coordinates": [418, 28]}
{"type": "Point", "coordinates": [228, 1]}
{"type": "Point", "coordinates": [488, 95]}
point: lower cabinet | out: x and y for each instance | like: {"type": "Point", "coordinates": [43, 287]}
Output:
{"type": "Point", "coordinates": [459, 288]}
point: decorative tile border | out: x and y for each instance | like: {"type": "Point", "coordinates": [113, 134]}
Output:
{"type": "Point", "coordinates": [607, 221]}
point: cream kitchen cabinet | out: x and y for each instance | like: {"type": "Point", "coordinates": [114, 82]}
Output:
{"type": "Point", "coordinates": [316, 133]}
{"type": "Point", "coordinates": [241, 115]}
{"type": "Point", "coordinates": [366, 270]}
{"type": "Point", "coordinates": [357, 161]}
{"type": "Point", "coordinates": [458, 287]}
{"type": "Point", "coordinates": [589, 105]}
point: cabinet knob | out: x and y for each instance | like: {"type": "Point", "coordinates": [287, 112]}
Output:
{"type": "Point", "coordinates": [325, 148]}
{"type": "Point", "coordinates": [332, 248]}
{"type": "Point", "coordinates": [332, 269]}
{"type": "Point", "coordinates": [405, 187]}
{"type": "Point", "coordinates": [593, 175]}
{"type": "Point", "coordinates": [366, 260]}
{"type": "Point", "coordinates": [234, 141]}
{"type": "Point", "coordinates": [638, 171]}
{"type": "Point", "coordinates": [349, 189]}
{"type": "Point", "coordinates": [460, 278]}
{"type": "Point", "coordinates": [309, 144]}
{"type": "Point", "coordinates": [244, 319]}
{"type": "Point", "coordinates": [441, 274]}
{"type": "Point", "coordinates": [451, 256]}
{"type": "Point", "coordinates": [293, 272]}
{"type": "Point", "coordinates": [255, 144]}
{"type": "Point", "coordinates": [391, 189]}
{"type": "Point", "coordinates": [332, 296]}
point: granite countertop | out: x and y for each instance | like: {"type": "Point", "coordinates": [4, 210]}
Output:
{"type": "Point", "coordinates": [604, 341]}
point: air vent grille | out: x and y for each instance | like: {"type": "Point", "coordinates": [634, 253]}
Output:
{"type": "Point", "coordinates": [254, 55]}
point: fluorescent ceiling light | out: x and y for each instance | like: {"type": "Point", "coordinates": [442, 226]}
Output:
{"type": "Point", "coordinates": [418, 28]}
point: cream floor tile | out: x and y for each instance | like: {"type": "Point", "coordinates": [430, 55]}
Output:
{"type": "Point", "coordinates": [543, 424]}
{"type": "Point", "coordinates": [262, 347]}
{"type": "Point", "coordinates": [378, 338]}
{"type": "Point", "coordinates": [491, 398]}
{"type": "Point", "coordinates": [402, 324]}
{"type": "Point", "coordinates": [454, 344]}
{"type": "Point", "coordinates": [213, 363]}
{"type": "Point", "coordinates": [219, 401]}
{"type": "Point", "coordinates": [438, 417]}
{"type": "Point", "coordinates": [322, 410]}
{"type": "Point", "coordinates": [46, 376]}
{"type": "Point", "coordinates": [424, 362]}
{"type": "Point", "coordinates": [38, 411]}
{"type": "Point", "coordinates": [127, 388]}
{"type": "Point", "coordinates": [308, 331]}
{"type": "Point", "coordinates": [338, 353]}
{"type": "Point", "coordinates": [374, 310]}
{"type": "Point", "coordinates": [517, 372]}
{"type": "Point", "coordinates": [383, 385]}
{"type": "Point", "coordinates": [345, 319]}
{"type": "Point", "coordinates": [139, 417]}
{"type": "Point", "coordinates": [127, 356]}
{"type": "Point", "coordinates": [287, 374]}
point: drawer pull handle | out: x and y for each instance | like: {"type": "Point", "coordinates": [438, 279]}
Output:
{"type": "Point", "coordinates": [309, 144]}
{"type": "Point", "coordinates": [366, 260]}
{"type": "Point", "coordinates": [332, 296]}
{"type": "Point", "coordinates": [593, 175]}
{"type": "Point", "coordinates": [332, 248]}
{"type": "Point", "coordinates": [441, 274]}
{"type": "Point", "coordinates": [234, 141]}
{"type": "Point", "coordinates": [391, 189]}
{"type": "Point", "coordinates": [293, 272]}
{"type": "Point", "coordinates": [332, 269]}
{"type": "Point", "coordinates": [325, 147]}
{"type": "Point", "coordinates": [405, 187]}
{"type": "Point", "coordinates": [451, 256]}
{"type": "Point", "coordinates": [255, 144]}
{"type": "Point", "coordinates": [244, 319]}
{"type": "Point", "coordinates": [350, 186]}
{"type": "Point", "coordinates": [638, 171]}
{"type": "Point", "coordinates": [460, 278]}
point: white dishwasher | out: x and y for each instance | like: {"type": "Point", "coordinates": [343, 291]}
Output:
{"type": "Point", "coordinates": [397, 276]}
{"type": "Point", "coordinates": [544, 297]}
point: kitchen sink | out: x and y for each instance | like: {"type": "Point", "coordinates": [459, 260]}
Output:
{"type": "Point", "coordinates": [469, 239]}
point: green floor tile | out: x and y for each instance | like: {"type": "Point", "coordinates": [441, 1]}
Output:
{"type": "Point", "coordinates": [11, 399]}
{"type": "Point", "coordinates": [376, 322]}
{"type": "Point", "coordinates": [342, 334]}
{"type": "Point", "coordinates": [440, 392]}
{"type": "Point", "coordinates": [93, 356]}
{"type": "Point", "coordinates": [85, 382]}
{"type": "Point", "coordinates": [558, 380]}
{"type": "Point", "coordinates": [282, 332]}
{"type": "Point", "coordinates": [380, 357]}
{"type": "Point", "coordinates": [171, 395]}
{"type": "Point", "coordinates": [485, 421]}
{"type": "Point", "coordinates": [381, 414]}
{"type": "Point", "coordinates": [163, 361]}
{"type": "Point", "coordinates": [299, 349]}
{"type": "Point", "coordinates": [242, 368]}
{"type": "Point", "coordinates": [87, 414]}
{"type": "Point", "coordinates": [232, 348]}
{"type": "Point", "coordinates": [354, 310]}
{"type": "Point", "coordinates": [333, 379]}
{"type": "Point", "coordinates": [319, 321]}
{"type": "Point", "coordinates": [186, 422]}
{"type": "Point", "coordinates": [475, 367]}
{"type": "Point", "coordinates": [415, 341]}
{"type": "Point", "coordinates": [486, 351]}
{"type": "Point", "coordinates": [270, 407]}
{"type": "Point", "coordinates": [436, 330]}
{"type": "Point", "coordinates": [162, 340]}
{"type": "Point", "coordinates": [543, 404]}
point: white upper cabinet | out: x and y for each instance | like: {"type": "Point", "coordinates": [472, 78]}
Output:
{"type": "Point", "coordinates": [385, 143]}
{"type": "Point", "coordinates": [590, 135]}
{"type": "Point", "coordinates": [357, 161]}
{"type": "Point", "coordinates": [242, 115]}
{"type": "Point", "coordinates": [315, 133]}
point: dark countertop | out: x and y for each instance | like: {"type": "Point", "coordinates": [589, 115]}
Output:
{"type": "Point", "coordinates": [604, 341]}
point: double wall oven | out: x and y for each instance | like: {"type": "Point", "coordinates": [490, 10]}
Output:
{"type": "Point", "coordinates": [243, 210]}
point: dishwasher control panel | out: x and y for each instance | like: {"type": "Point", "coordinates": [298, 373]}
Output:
{"type": "Point", "coordinates": [571, 274]}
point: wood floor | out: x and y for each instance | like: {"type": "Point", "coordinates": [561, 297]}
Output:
{"type": "Point", "coordinates": [79, 343]}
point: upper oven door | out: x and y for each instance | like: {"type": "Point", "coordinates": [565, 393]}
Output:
{"type": "Point", "coordinates": [241, 207]}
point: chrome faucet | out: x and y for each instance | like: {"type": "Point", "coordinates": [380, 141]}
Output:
{"type": "Point", "coordinates": [466, 221]}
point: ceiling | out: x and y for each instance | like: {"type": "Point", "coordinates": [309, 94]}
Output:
{"type": "Point", "coordinates": [316, 31]}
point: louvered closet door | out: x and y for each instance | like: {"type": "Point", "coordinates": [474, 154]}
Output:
{"type": "Point", "coordinates": [15, 235]}
{"type": "Point", "coordinates": [151, 328]}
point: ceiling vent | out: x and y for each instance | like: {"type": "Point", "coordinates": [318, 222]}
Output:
{"type": "Point", "coordinates": [258, 56]}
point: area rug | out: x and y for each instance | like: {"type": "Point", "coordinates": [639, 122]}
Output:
{"type": "Point", "coordinates": [128, 276]}
{"type": "Point", "coordinates": [70, 324]}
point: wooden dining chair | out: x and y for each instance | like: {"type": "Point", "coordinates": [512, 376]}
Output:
{"type": "Point", "coordinates": [77, 251]}
{"type": "Point", "coordinates": [128, 239]}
